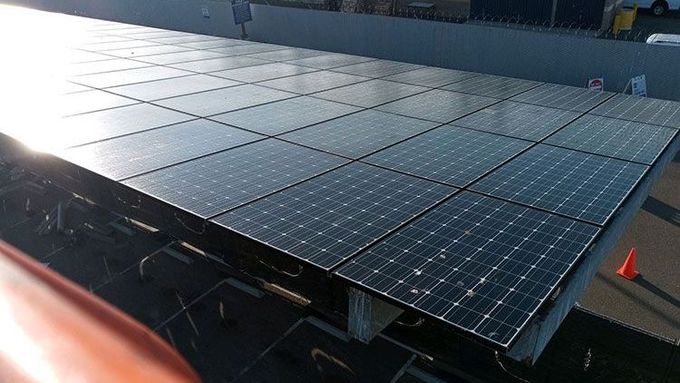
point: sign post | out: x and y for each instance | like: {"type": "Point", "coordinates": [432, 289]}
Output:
{"type": "Point", "coordinates": [596, 84]}
{"type": "Point", "coordinates": [241, 10]}
{"type": "Point", "coordinates": [639, 86]}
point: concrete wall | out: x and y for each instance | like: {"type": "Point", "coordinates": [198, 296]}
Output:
{"type": "Point", "coordinates": [558, 58]}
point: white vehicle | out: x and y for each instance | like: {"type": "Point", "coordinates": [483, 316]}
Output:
{"type": "Point", "coordinates": [664, 39]}
{"type": "Point", "coordinates": [658, 7]}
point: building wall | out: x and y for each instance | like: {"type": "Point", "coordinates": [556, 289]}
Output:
{"type": "Point", "coordinates": [558, 58]}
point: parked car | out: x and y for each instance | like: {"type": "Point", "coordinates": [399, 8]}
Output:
{"type": "Point", "coordinates": [664, 39]}
{"type": "Point", "coordinates": [658, 7]}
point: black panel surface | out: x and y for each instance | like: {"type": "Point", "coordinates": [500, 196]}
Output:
{"type": "Point", "coordinates": [563, 97]}
{"type": "Point", "coordinates": [283, 116]}
{"type": "Point", "coordinates": [627, 140]}
{"type": "Point", "coordinates": [377, 68]}
{"type": "Point", "coordinates": [216, 183]}
{"type": "Point", "coordinates": [642, 109]}
{"type": "Point", "coordinates": [142, 152]}
{"type": "Point", "coordinates": [262, 72]}
{"type": "Point", "coordinates": [438, 105]}
{"type": "Point", "coordinates": [371, 93]}
{"type": "Point", "coordinates": [514, 119]}
{"type": "Point", "coordinates": [493, 86]}
{"type": "Point", "coordinates": [313, 82]}
{"type": "Point", "coordinates": [576, 184]}
{"type": "Point", "coordinates": [448, 154]}
{"type": "Point", "coordinates": [224, 100]}
{"type": "Point", "coordinates": [477, 263]}
{"type": "Point", "coordinates": [432, 77]}
{"type": "Point", "coordinates": [331, 217]}
{"type": "Point", "coordinates": [359, 134]}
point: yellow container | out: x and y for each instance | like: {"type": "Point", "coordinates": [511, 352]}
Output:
{"type": "Point", "coordinates": [627, 18]}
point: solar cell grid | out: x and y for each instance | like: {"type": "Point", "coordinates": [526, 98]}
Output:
{"type": "Point", "coordinates": [448, 154]}
{"type": "Point", "coordinates": [477, 263]}
{"type": "Point", "coordinates": [514, 119]}
{"type": "Point", "coordinates": [173, 87]}
{"type": "Point", "coordinates": [641, 109]}
{"type": "Point", "coordinates": [377, 68]}
{"type": "Point", "coordinates": [131, 155]}
{"type": "Point", "coordinates": [563, 97]}
{"type": "Point", "coordinates": [576, 184]}
{"type": "Point", "coordinates": [627, 140]}
{"type": "Point", "coordinates": [179, 57]}
{"type": "Point", "coordinates": [95, 126]}
{"type": "Point", "coordinates": [129, 76]}
{"type": "Point", "coordinates": [288, 54]}
{"type": "Point", "coordinates": [262, 72]}
{"type": "Point", "coordinates": [358, 134]}
{"type": "Point", "coordinates": [330, 60]}
{"type": "Point", "coordinates": [283, 116]}
{"type": "Point", "coordinates": [214, 184]}
{"type": "Point", "coordinates": [431, 77]}
{"type": "Point", "coordinates": [219, 64]}
{"type": "Point", "coordinates": [146, 51]}
{"type": "Point", "coordinates": [238, 50]}
{"type": "Point", "coordinates": [313, 82]}
{"type": "Point", "coordinates": [331, 217]}
{"type": "Point", "coordinates": [224, 100]}
{"type": "Point", "coordinates": [492, 86]}
{"type": "Point", "coordinates": [438, 105]}
{"type": "Point", "coordinates": [370, 93]}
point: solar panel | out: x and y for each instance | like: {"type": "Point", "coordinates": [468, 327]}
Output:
{"type": "Point", "coordinates": [358, 134]}
{"type": "Point", "coordinates": [223, 63]}
{"type": "Point", "coordinates": [431, 77]}
{"type": "Point", "coordinates": [138, 153]}
{"type": "Point", "coordinates": [377, 68]}
{"type": "Point", "coordinates": [329, 61]}
{"type": "Point", "coordinates": [102, 66]}
{"type": "Point", "coordinates": [224, 100]}
{"type": "Point", "coordinates": [221, 43]}
{"type": "Point", "coordinates": [438, 105]}
{"type": "Point", "coordinates": [313, 82]}
{"type": "Point", "coordinates": [492, 86]}
{"type": "Point", "coordinates": [514, 119]}
{"type": "Point", "coordinates": [329, 218]}
{"type": "Point", "coordinates": [262, 72]}
{"type": "Point", "coordinates": [563, 97]}
{"type": "Point", "coordinates": [156, 90]}
{"type": "Point", "coordinates": [146, 51]}
{"type": "Point", "coordinates": [370, 93]}
{"type": "Point", "coordinates": [448, 154]}
{"type": "Point", "coordinates": [641, 109]}
{"type": "Point", "coordinates": [288, 54]}
{"type": "Point", "coordinates": [88, 101]}
{"type": "Point", "coordinates": [238, 50]}
{"type": "Point", "coordinates": [214, 184]}
{"type": "Point", "coordinates": [95, 126]}
{"type": "Point", "coordinates": [283, 116]}
{"type": "Point", "coordinates": [627, 140]}
{"type": "Point", "coordinates": [575, 184]}
{"type": "Point", "coordinates": [179, 57]}
{"type": "Point", "coordinates": [129, 76]}
{"type": "Point", "coordinates": [477, 263]}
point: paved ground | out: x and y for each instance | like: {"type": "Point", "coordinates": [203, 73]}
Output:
{"type": "Point", "coordinates": [651, 301]}
{"type": "Point", "coordinates": [648, 23]}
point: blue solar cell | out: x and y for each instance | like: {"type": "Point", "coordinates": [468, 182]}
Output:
{"type": "Point", "coordinates": [576, 184]}
{"type": "Point", "coordinates": [474, 262]}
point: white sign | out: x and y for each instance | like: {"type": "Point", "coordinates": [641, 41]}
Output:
{"type": "Point", "coordinates": [205, 11]}
{"type": "Point", "coordinates": [639, 86]}
{"type": "Point", "coordinates": [596, 84]}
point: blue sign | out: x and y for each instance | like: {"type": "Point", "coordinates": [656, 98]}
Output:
{"type": "Point", "coordinates": [241, 9]}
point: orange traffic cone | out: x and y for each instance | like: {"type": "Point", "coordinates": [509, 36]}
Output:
{"type": "Point", "coordinates": [628, 269]}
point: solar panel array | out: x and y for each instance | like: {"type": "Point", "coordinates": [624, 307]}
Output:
{"type": "Point", "coordinates": [462, 196]}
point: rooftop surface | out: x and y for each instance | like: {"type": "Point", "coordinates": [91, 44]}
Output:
{"type": "Point", "coordinates": [159, 94]}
